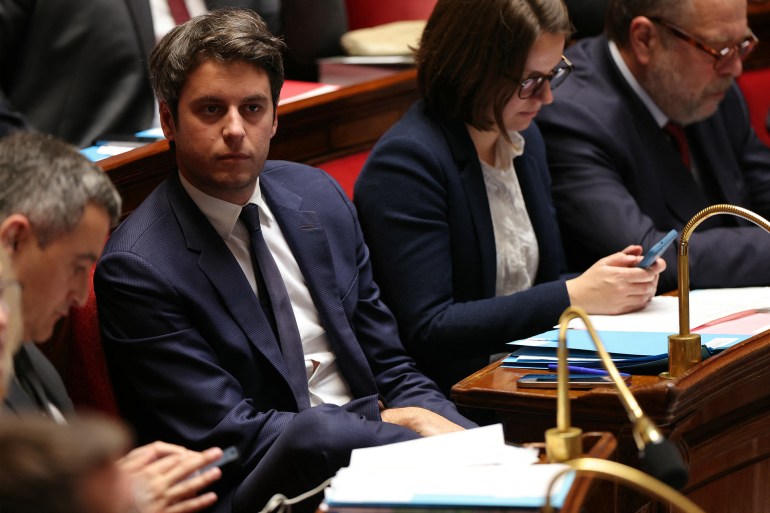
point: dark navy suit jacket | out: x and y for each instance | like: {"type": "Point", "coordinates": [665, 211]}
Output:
{"type": "Point", "coordinates": [618, 180]}
{"type": "Point", "coordinates": [424, 210]}
{"type": "Point", "coordinates": [193, 358]}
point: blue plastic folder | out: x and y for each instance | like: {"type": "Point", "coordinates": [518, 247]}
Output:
{"type": "Point", "coordinates": [624, 342]}
{"type": "Point", "coordinates": [628, 350]}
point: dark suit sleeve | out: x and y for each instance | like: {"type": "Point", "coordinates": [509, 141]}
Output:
{"type": "Point", "coordinates": [177, 375]}
{"type": "Point", "coordinates": [406, 210]}
{"type": "Point", "coordinates": [13, 20]}
{"type": "Point", "coordinates": [606, 197]}
{"type": "Point", "coordinates": [397, 377]}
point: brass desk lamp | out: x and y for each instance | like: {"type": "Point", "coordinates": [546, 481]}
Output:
{"type": "Point", "coordinates": [658, 455]}
{"type": "Point", "coordinates": [624, 474]}
{"type": "Point", "coordinates": [684, 350]}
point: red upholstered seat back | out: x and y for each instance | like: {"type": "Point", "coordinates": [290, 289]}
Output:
{"type": "Point", "coordinates": [77, 353]}
{"type": "Point", "coordinates": [755, 85]}
{"type": "Point", "coordinates": [370, 13]}
{"type": "Point", "coordinates": [345, 169]}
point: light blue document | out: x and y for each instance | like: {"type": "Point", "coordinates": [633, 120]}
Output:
{"type": "Point", "coordinates": [625, 342]}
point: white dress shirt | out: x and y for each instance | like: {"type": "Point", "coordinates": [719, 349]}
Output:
{"type": "Point", "coordinates": [325, 383]}
{"type": "Point", "coordinates": [162, 21]}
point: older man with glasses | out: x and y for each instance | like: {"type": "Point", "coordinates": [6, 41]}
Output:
{"type": "Point", "coordinates": [650, 129]}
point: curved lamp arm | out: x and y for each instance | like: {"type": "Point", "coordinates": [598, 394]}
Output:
{"type": "Point", "coordinates": [562, 443]}
{"type": "Point", "coordinates": [684, 349]}
{"type": "Point", "coordinates": [559, 446]}
{"type": "Point", "coordinates": [623, 474]}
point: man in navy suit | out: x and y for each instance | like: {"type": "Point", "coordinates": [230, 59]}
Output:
{"type": "Point", "coordinates": [183, 296]}
{"type": "Point", "coordinates": [618, 177]}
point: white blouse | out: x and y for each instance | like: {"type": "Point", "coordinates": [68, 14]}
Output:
{"type": "Point", "coordinates": [518, 254]}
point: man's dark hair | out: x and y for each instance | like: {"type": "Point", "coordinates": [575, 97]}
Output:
{"type": "Point", "coordinates": [227, 35]}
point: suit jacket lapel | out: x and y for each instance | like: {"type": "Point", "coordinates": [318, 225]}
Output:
{"type": "Point", "coordinates": [467, 160]}
{"type": "Point", "coordinates": [538, 203]}
{"type": "Point", "coordinates": [309, 244]}
{"type": "Point", "coordinates": [219, 265]}
{"type": "Point", "coordinates": [17, 399]}
{"type": "Point", "coordinates": [714, 162]}
{"type": "Point", "coordinates": [683, 195]}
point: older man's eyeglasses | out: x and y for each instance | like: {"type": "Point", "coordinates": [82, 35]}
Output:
{"type": "Point", "coordinates": [533, 84]}
{"type": "Point", "coordinates": [722, 57]}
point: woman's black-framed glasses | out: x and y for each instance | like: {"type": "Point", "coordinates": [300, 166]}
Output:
{"type": "Point", "coordinates": [721, 57]}
{"type": "Point", "coordinates": [532, 85]}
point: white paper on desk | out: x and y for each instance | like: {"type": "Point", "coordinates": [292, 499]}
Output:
{"type": "Point", "coordinates": [468, 468]}
{"type": "Point", "coordinates": [662, 313]}
{"type": "Point", "coordinates": [479, 446]}
{"type": "Point", "coordinates": [474, 486]}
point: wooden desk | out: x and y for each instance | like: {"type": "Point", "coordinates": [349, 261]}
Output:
{"type": "Point", "coordinates": [584, 490]}
{"type": "Point", "coordinates": [718, 414]}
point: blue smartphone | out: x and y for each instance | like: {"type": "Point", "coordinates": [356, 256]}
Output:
{"type": "Point", "coordinates": [657, 249]}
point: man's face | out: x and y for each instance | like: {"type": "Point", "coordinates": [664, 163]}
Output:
{"type": "Point", "coordinates": [681, 78]}
{"type": "Point", "coordinates": [56, 277]}
{"type": "Point", "coordinates": [223, 128]}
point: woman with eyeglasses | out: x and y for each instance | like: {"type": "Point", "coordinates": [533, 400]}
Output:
{"type": "Point", "coordinates": [455, 199]}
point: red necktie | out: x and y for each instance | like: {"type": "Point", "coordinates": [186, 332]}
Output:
{"type": "Point", "coordinates": [178, 11]}
{"type": "Point", "coordinates": [679, 138]}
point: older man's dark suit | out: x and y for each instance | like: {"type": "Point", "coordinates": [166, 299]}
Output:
{"type": "Point", "coordinates": [41, 383]}
{"type": "Point", "coordinates": [78, 68]}
{"type": "Point", "coordinates": [618, 180]}
{"type": "Point", "coordinates": [194, 359]}
{"type": "Point", "coordinates": [425, 212]}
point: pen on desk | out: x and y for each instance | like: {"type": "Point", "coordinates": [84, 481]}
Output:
{"type": "Point", "coordinates": [585, 370]}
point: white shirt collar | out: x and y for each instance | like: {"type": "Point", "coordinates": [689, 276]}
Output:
{"type": "Point", "coordinates": [223, 215]}
{"type": "Point", "coordinates": [660, 118]}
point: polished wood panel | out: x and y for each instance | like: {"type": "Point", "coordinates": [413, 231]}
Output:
{"type": "Point", "coordinates": [718, 415]}
{"type": "Point", "coordinates": [311, 131]}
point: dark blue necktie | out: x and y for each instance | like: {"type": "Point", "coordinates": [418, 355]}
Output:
{"type": "Point", "coordinates": [277, 306]}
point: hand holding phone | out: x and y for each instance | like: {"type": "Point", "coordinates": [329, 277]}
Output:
{"type": "Point", "coordinates": [657, 250]}
{"type": "Point", "coordinates": [229, 455]}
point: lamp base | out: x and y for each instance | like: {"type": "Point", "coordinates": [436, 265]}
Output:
{"type": "Point", "coordinates": [563, 445]}
{"type": "Point", "coordinates": [683, 354]}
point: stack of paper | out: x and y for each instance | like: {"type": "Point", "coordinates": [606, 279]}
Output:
{"type": "Point", "coordinates": [723, 317]}
{"type": "Point", "coordinates": [468, 469]}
